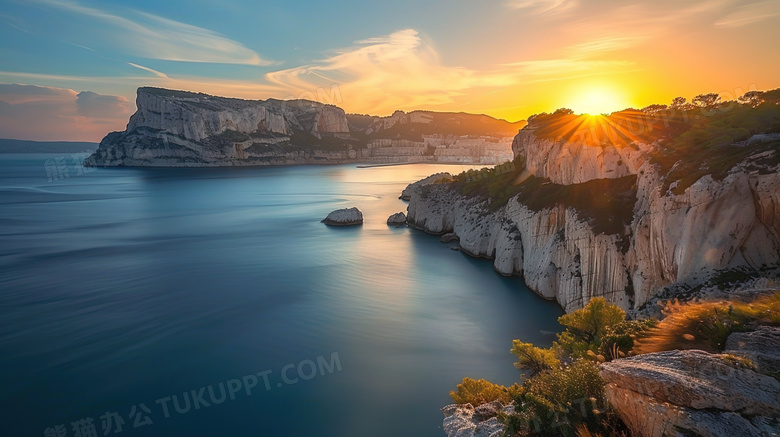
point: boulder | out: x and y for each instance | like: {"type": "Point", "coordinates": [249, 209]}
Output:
{"type": "Point", "coordinates": [344, 217]}
{"type": "Point", "coordinates": [397, 219]}
{"type": "Point", "coordinates": [466, 421]}
{"type": "Point", "coordinates": [693, 391]}
{"type": "Point", "coordinates": [761, 346]}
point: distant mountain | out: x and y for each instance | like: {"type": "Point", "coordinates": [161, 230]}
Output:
{"type": "Point", "coordinates": [184, 129]}
{"type": "Point", "coordinates": [25, 146]}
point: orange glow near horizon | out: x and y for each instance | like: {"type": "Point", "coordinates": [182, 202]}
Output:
{"type": "Point", "coordinates": [597, 100]}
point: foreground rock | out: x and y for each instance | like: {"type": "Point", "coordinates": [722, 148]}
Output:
{"type": "Point", "coordinates": [761, 347]}
{"type": "Point", "coordinates": [406, 194]}
{"type": "Point", "coordinates": [344, 217]}
{"type": "Point", "coordinates": [467, 421]}
{"type": "Point", "coordinates": [691, 393]}
{"type": "Point", "coordinates": [397, 219]}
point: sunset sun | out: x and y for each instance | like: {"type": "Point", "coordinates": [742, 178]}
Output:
{"type": "Point", "coordinates": [597, 100]}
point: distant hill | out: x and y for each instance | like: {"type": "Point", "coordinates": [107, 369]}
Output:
{"type": "Point", "coordinates": [25, 146]}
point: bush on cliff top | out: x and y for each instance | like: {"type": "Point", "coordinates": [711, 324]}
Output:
{"type": "Point", "coordinates": [477, 392]}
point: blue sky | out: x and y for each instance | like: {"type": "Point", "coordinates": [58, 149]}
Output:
{"type": "Point", "coordinates": [77, 63]}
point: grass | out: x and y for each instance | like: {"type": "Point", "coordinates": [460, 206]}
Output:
{"type": "Point", "coordinates": [707, 325]}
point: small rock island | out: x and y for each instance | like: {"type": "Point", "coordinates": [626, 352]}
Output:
{"type": "Point", "coordinates": [344, 217]}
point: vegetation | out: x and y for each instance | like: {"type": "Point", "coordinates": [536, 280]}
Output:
{"type": "Point", "coordinates": [535, 359]}
{"type": "Point", "coordinates": [707, 325]}
{"type": "Point", "coordinates": [476, 392]}
{"type": "Point", "coordinates": [707, 136]}
{"type": "Point", "coordinates": [563, 393]}
{"type": "Point", "coordinates": [563, 390]}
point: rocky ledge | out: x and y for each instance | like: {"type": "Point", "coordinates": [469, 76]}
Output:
{"type": "Point", "coordinates": [344, 217]}
{"type": "Point", "coordinates": [406, 194]}
{"type": "Point", "coordinates": [468, 421]}
{"type": "Point", "coordinates": [692, 393]}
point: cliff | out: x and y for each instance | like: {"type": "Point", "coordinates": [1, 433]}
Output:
{"type": "Point", "coordinates": [178, 128]}
{"type": "Point", "coordinates": [575, 229]}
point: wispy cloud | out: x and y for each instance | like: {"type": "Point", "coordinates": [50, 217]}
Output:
{"type": "Point", "coordinates": [544, 7]}
{"type": "Point", "coordinates": [568, 68]}
{"type": "Point", "coordinates": [750, 13]}
{"type": "Point", "coordinates": [607, 44]}
{"type": "Point", "coordinates": [154, 37]}
{"type": "Point", "coordinates": [154, 72]}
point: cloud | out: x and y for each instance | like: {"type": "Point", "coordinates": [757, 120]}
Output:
{"type": "Point", "coordinates": [398, 71]}
{"type": "Point", "coordinates": [49, 114]}
{"type": "Point", "coordinates": [543, 7]}
{"type": "Point", "coordinates": [96, 105]}
{"type": "Point", "coordinates": [607, 44]}
{"type": "Point", "coordinates": [154, 37]}
{"type": "Point", "coordinates": [568, 68]}
{"type": "Point", "coordinates": [750, 13]}
{"type": "Point", "coordinates": [154, 72]}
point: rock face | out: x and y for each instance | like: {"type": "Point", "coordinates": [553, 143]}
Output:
{"type": "Point", "coordinates": [397, 219]}
{"type": "Point", "coordinates": [184, 129]}
{"type": "Point", "coordinates": [467, 421]}
{"type": "Point", "coordinates": [691, 393]}
{"type": "Point", "coordinates": [761, 347]}
{"type": "Point", "coordinates": [176, 128]}
{"type": "Point", "coordinates": [558, 254]}
{"type": "Point", "coordinates": [714, 224]}
{"type": "Point", "coordinates": [344, 217]}
{"type": "Point", "coordinates": [576, 162]}
{"type": "Point", "coordinates": [406, 194]}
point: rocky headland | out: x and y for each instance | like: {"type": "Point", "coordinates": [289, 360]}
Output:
{"type": "Point", "coordinates": [580, 219]}
{"type": "Point", "coordinates": [184, 129]}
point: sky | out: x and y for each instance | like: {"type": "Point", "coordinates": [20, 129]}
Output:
{"type": "Point", "coordinates": [70, 68]}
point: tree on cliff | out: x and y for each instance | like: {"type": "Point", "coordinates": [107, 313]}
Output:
{"type": "Point", "coordinates": [591, 323]}
{"type": "Point", "coordinates": [706, 100]}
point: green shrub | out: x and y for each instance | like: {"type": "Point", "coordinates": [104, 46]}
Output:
{"type": "Point", "coordinates": [589, 324]}
{"type": "Point", "coordinates": [555, 402]}
{"type": "Point", "coordinates": [476, 392]}
{"type": "Point", "coordinates": [533, 358]}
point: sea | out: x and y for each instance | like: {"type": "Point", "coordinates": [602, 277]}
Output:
{"type": "Point", "coordinates": [213, 302]}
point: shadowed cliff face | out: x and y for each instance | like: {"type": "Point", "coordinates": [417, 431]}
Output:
{"type": "Point", "coordinates": [179, 128]}
{"type": "Point", "coordinates": [571, 252]}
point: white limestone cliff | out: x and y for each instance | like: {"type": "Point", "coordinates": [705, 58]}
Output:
{"type": "Point", "coordinates": [181, 129]}
{"type": "Point", "coordinates": [575, 162]}
{"type": "Point", "coordinates": [673, 238]}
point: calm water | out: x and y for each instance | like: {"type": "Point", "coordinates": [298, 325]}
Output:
{"type": "Point", "coordinates": [124, 287]}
